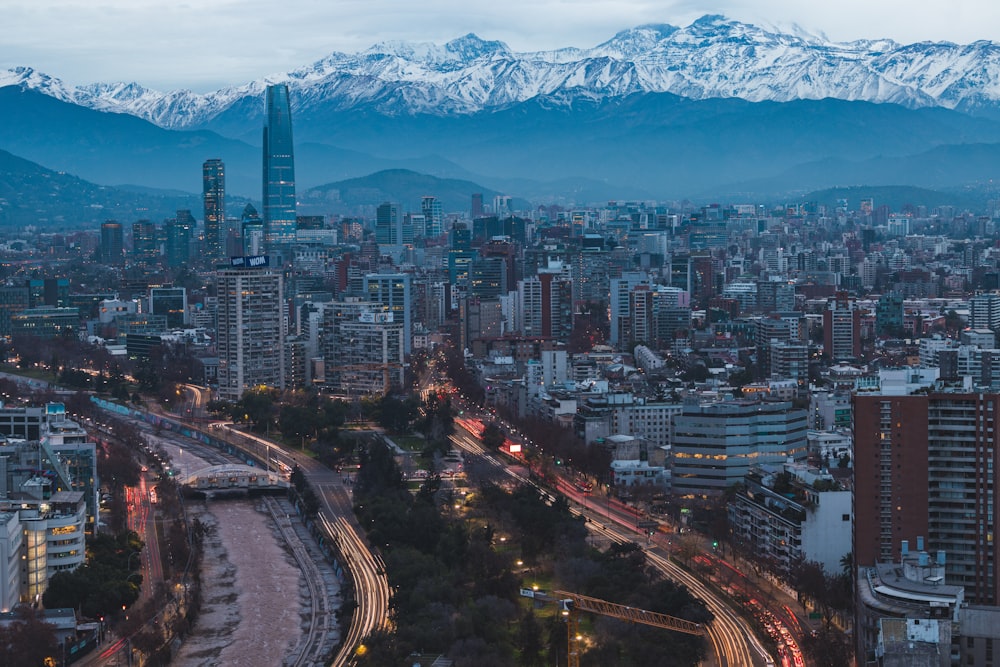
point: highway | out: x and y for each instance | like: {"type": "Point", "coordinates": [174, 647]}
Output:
{"type": "Point", "coordinates": [731, 641]}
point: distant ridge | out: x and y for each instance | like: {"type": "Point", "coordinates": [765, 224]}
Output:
{"type": "Point", "coordinates": [400, 186]}
{"type": "Point", "coordinates": [894, 196]}
{"type": "Point", "coordinates": [30, 194]}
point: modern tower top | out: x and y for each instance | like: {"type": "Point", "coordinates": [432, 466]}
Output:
{"type": "Point", "coordinates": [279, 169]}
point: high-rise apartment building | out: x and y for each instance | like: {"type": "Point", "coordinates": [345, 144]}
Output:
{"type": "Point", "coordinates": [362, 347]}
{"type": "Point", "coordinates": [112, 242]}
{"type": "Point", "coordinates": [279, 169]}
{"type": "Point", "coordinates": [620, 302]}
{"type": "Point", "coordinates": [925, 465]}
{"type": "Point", "coordinates": [546, 304]}
{"type": "Point", "coordinates": [392, 290]}
{"type": "Point", "coordinates": [842, 328]}
{"type": "Point", "coordinates": [214, 193]}
{"type": "Point", "coordinates": [251, 327]}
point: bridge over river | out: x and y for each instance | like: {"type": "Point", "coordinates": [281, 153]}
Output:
{"type": "Point", "coordinates": [232, 477]}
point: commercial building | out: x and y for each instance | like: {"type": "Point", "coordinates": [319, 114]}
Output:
{"type": "Point", "coordinates": [251, 332]}
{"type": "Point", "coordinates": [433, 216]}
{"type": "Point", "coordinates": [714, 445]}
{"type": "Point", "coordinates": [144, 245]}
{"type": "Point", "coordinates": [11, 551]}
{"type": "Point", "coordinates": [45, 322]}
{"type": "Point", "coordinates": [112, 243]}
{"type": "Point", "coordinates": [279, 169]}
{"type": "Point", "coordinates": [53, 524]}
{"type": "Point", "coordinates": [170, 302]}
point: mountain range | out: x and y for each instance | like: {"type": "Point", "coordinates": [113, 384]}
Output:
{"type": "Point", "coordinates": [712, 58]}
{"type": "Point", "coordinates": [715, 109]}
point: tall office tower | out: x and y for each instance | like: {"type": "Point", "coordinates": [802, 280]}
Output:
{"type": "Point", "coordinates": [477, 205]}
{"type": "Point", "coordinates": [213, 178]}
{"type": "Point", "coordinates": [180, 231]}
{"type": "Point", "coordinates": [433, 216]}
{"type": "Point", "coordinates": [112, 242]}
{"type": "Point", "coordinates": [508, 252]}
{"type": "Point", "coordinates": [279, 169]}
{"type": "Point", "coordinates": [488, 278]}
{"type": "Point", "coordinates": [388, 224]}
{"type": "Point", "coordinates": [842, 328]}
{"type": "Point", "coordinates": [144, 241]}
{"type": "Point", "coordinates": [925, 465]}
{"type": "Point", "coordinates": [250, 333]}
{"type": "Point", "coordinates": [392, 290]}
{"type": "Point", "coordinates": [679, 271]}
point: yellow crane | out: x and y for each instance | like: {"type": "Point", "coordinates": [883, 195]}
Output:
{"type": "Point", "coordinates": [573, 603]}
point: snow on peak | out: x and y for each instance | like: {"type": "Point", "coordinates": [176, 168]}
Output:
{"type": "Point", "coordinates": [712, 57]}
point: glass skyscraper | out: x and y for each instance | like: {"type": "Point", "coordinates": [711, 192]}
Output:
{"type": "Point", "coordinates": [279, 169]}
{"type": "Point", "coordinates": [214, 192]}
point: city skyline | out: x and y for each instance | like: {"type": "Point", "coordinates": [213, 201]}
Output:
{"type": "Point", "coordinates": [144, 43]}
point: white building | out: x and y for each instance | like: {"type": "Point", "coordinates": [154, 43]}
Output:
{"type": "Point", "coordinates": [630, 473]}
{"type": "Point", "coordinates": [11, 550]}
{"type": "Point", "coordinates": [792, 514]}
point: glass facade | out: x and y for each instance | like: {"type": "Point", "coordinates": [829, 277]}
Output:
{"type": "Point", "coordinates": [279, 169]}
{"type": "Point", "coordinates": [214, 192]}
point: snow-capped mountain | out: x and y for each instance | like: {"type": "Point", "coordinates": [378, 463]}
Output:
{"type": "Point", "coordinates": [711, 58]}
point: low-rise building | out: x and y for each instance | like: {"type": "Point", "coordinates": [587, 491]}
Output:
{"type": "Point", "coordinates": [792, 514]}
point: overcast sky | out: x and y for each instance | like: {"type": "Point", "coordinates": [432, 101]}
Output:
{"type": "Point", "coordinates": [207, 44]}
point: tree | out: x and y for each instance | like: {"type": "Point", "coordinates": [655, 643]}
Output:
{"type": "Point", "coordinates": [28, 640]}
{"type": "Point", "coordinates": [828, 649]}
{"type": "Point", "coordinates": [258, 407]}
{"type": "Point", "coordinates": [529, 639]}
{"type": "Point", "coordinates": [493, 438]}
{"type": "Point", "coordinates": [395, 415]}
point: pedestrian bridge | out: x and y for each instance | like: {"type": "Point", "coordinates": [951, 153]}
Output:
{"type": "Point", "coordinates": [234, 476]}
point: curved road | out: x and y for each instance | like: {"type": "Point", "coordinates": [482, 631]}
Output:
{"type": "Point", "coordinates": [732, 642]}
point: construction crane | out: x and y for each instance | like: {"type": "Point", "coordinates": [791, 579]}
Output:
{"type": "Point", "coordinates": [573, 603]}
